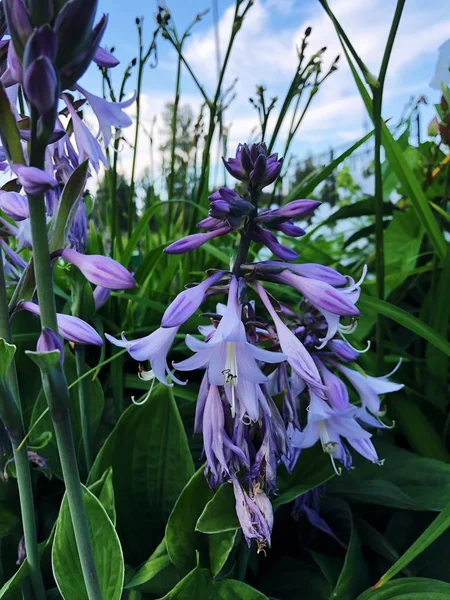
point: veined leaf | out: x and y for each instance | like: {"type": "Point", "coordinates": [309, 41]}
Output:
{"type": "Point", "coordinates": [413, 588]}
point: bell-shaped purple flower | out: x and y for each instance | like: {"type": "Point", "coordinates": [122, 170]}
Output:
{"type": "Point", "coordinates": [33, 180]}
{"type": "Point", "coordinates": [109, 114]}
{"type": "Point", "coordinates": [371, 388]}
{"type": "Point", "coordinates": [88, 146]}
{"type": "Point", "coordinates": [48, 341]}
{"type": "Point", "coordinates": [191, 242]}
{"type": "Point", "coordinates": [155, 348]}
{"type": "Point", "coordinates": [14, 205]}
{"type": "Point", "coordinates": [71, 328]}
{"type": "Point", "coordinates": [187, 302]}
{"type": "Point", "coordinates": [105, 59]}
{"type": "Point", "coordinates": [255, 525]}
{"type": "Point", "coordinates": [337, 393]}
{"type": "Point", "coordinates": [100, 270]}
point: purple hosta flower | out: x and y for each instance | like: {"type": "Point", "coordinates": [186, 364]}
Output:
{"type": "Point", "coordinates": [12, 255]}
{"type": "Point", "coordinates": [33, 180]}
{"type": "Point", "coordinates": [88, 146]}
{"type": "Point", "coordinates": [309, 270]}
{"type": "Point", "coordinates": [191, 242]}
{"type": "Point", "coordinates": [331, 302]}
{"type": "Point", "coordinates": [337, 393]}
{"type": "Point", "coordinates": [155, 348]}
{"type": "Point", "coordinates": [227, 205]}
{"type": "Point", "coordinates": [78, 234]}
{"type": "Point", "coordinates": [297, 355]}
{"type": "Point", "coordinates": [308, 504]}
{"type": "Point", "coordinates": [371, 388]}
{"type": "Point", "coordinates": [14, 205]}
{"type": "Point", "coordinates": [48, 341]}
{"type": "Point", "coordinates": [343, 350]}
{"type": "Point", "coordinates": [252, 164]}
{"type": "Point", "coordinates": [105, 59]}
{"type": "Point", "coordinates": [273, 448]}
{"type": "Point", "coordinates": [263, 236]}
{"type": "Point", "coordinates": [331, 427]}
{"type": "Point", "coordinates": [109, 114]}
{"type": "Point", "coordinates": [255, 514]}
{"type": "Point", "coordinates": [187, 302]}
{"type": "Point", "coordinates": [14, 72]}
{"type": "Point", "coordinates": [101, 296]}
{"type": "Point", "coordinates": [218, 446]}
{"type": "Point", "coordinates": [18, 23]}
{"type": "Point", "coordinates": [71, 328]}
{"type": "Point", "coordinates": [231, 361]}
{"type": "Point", "coordinates": [291, 210]}
{"type": "Point", "coordinates": [100, 270]}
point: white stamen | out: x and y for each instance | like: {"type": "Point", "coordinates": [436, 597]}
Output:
{"type": "Point", "coordinates": [230, 373]}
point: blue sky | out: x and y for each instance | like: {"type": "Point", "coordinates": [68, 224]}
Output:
{"type": "Point", "coordinates": [265, 54]}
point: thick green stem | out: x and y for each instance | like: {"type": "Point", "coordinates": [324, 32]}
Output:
{"type": "Point", "coordinates": [84, 408]}
{"type": "Point", "coordinates": [59, 402]}
{"type": "Point", "coordinates": [23, 474]}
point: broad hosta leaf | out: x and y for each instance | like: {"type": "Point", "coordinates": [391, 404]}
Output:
{"type": "Point", "coordinates": [402, 240]}
{"type": "Point", "coordinates": [9, 132]}
{"type": "Point", "coordinates": [158, 575]}
{"type": "Point", "coordinates": [103, 489]}
{"type": "Point", "coordinates": [219, 514]}
{"type": "Point", "coordinates": [431, 533]}
{"type": "Point", "coordinates": [290, 578]}
{"type": "Point", "coordinates": [424, 480]}
{"type": "Point", "coordinates": [375, 491]}
{"type": "Point", "coordinates": [413, 588]}
{"type": "Point", "coordinates": [220, 546]}
{"type": "Point", "coordinates": [151, 463]}
{"type": "Point", "coordinates": [107, 552]}
{"type": "Point", "coordinates": [181, 538]}
{"type": "Point", "coordinates": [8, 521]}
{"type": "Point", "coordinates": [199, 584]}
{"type": "Point", "coordinates": [312, 468]}
{"type": "Point", "coordinates": [377, 542]}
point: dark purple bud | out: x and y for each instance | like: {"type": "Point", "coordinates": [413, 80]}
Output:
{"type": "Point", "coordinates": [14, 64]}
{"type": "Point", "coordinates": [42, 42]}
{"type": "Point", "coordinates": [247, 163]}
{"type": "Point", "coordinates": [288, 228]}
{"type": "Point", "coordinates": [219, 208]}
{"type": "Point", "coordinates": [73, 26]}
{"type": "Point", "coordinates": [34, 181]}
{"type": "Point", "coordinates": [291, 210]}
{"type": "Point", "coordinates": [100, 270]}
{"type": "Point", "coordinates": [105, 59]}
{"type": "Point", "coordinates": [259, 169]}
{"type": "Point", "coordinates": [191, 242]}
{"type": "Point", "coordinates": [101, 296]}
{"type": "Point", "coordinates": [210, 223]}
{"type": "Point", "coordinates": [49, 342]}
{"type": "Point", "coordinates": [235, 169]}
{"type": "Point", "coordinates": [316, 271]}
{"type": "Point", "coordinates": [40, 83]}
{"type": "Point", "coordinates": [269, 239]}
{"type": "Point", "coordinates": [14, 205]}
{"type": "Point", "coordinates": [19, 25]}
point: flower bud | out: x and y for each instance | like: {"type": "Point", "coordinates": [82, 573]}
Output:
{"type": "Point", "coordinates": [40, 84]}
{"type": "Point", "coordinates": [73, 26]}
{"type": "Point", "coordinates": [33, 180]}
{"type": "Point", "coordinates": [19, 25]}
{"type": "Point", "coordinates": [105, 59]}
{"type": "Point", "coordinates": [48, 341]}
{"type": "Point", "coordinates": [100, 270]}
{"type": "Point", "coordinates": [14, 205]}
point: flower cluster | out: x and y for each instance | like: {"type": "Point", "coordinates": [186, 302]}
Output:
{"type": "Point", "coordinates": [48, 50]}
{"type": "Point", "coordinates": [273, 380]}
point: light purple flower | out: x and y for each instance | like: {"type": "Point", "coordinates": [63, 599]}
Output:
{"type": "Point", "coordinates": [101, 296]}
{"type": "Point", "coordinates": [14, 205]}
{"type": "Point", "coordinates": [337, 393]}
{"type": "Point", "coordinates": [105, 59]}
{"type": "Point", "coordinates": [187, 302]}
{"type": "Point", "coordinates": [191, 242]}
{"type": "Point", "coordinates": [88, 146]}
{"type": "Point", "coordinates": [100, 270]}
{"type": "Point", "coordinates": [71, 328]}
{"type": "Point", "coordinates": [343, 350]}
{"type": "Point", "coordinates": [230, 360]}
{"type": "Point", "coordinates": [331, 427]}
{"type": "Point", "coordinates": [255, 525]}
{"type": "Point", "coordinates": [109, 114]}
{"type": "Point", "coordinates": [297, 355]}
{"type": "Point", "coordinates": [371, 388]}
{"type": "Point", "coordinates": [291, 210]}
{"type": "Point", "coordinates": [34, 181]}
{"type": "Point", "coordinates": [155, 348]}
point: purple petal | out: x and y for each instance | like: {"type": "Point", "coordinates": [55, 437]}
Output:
{"type": "Point", "coordinates": [34, 181]}
{"type": "Point", "coordinates": [105, 59]}
{"type": "Point", "coordinates": [100, 270]}
{"type": "Point", "coordinates": [191, 242]}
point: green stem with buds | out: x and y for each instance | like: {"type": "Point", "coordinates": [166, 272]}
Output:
{"type": "Point", "coordinates": [59, 403]}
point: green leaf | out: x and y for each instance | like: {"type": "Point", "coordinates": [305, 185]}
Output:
{"type": "Point", "coordinates": [377, 542]}
{"type": "Point", "coordinates": [230, 589]}
{"type": "Point", "coordinates": [14, 584]}
{"type": "Point", "coordinates": [413, 588]}
{"type": "Point", "coordinates": [312, 468]}
{"type": "Point", "coordinates": [424, 480]}
{"type": "Point", "coordinates": [219, 514]}
{"type": "Point", "coordinates": [107, 552]}
{"type": "Point", "coordinates": [158, 575]}
{"type": "Point", "coordinates": [9, 132]}
{"type": "Point", "coordinates": [353, 576]}
{"type": "Point", "coordinates": [7, 352]}
{"type": "Point", "coordinates": [181, 538]}
{"type": "Point", "coordinates": [377, 491]}
{"type": "Point", "coordinates": [103, 489]}
{"type": "Point", "coordinates": [220, 547]}
{"type": "Point", "coordinates": [305, 188]}
{"type": "Point", "coordinates": [431, 533]}
{"type": "Point", "coordinates": [405, 319]}
{"type": "Point", "coordinates": [151, 463]}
